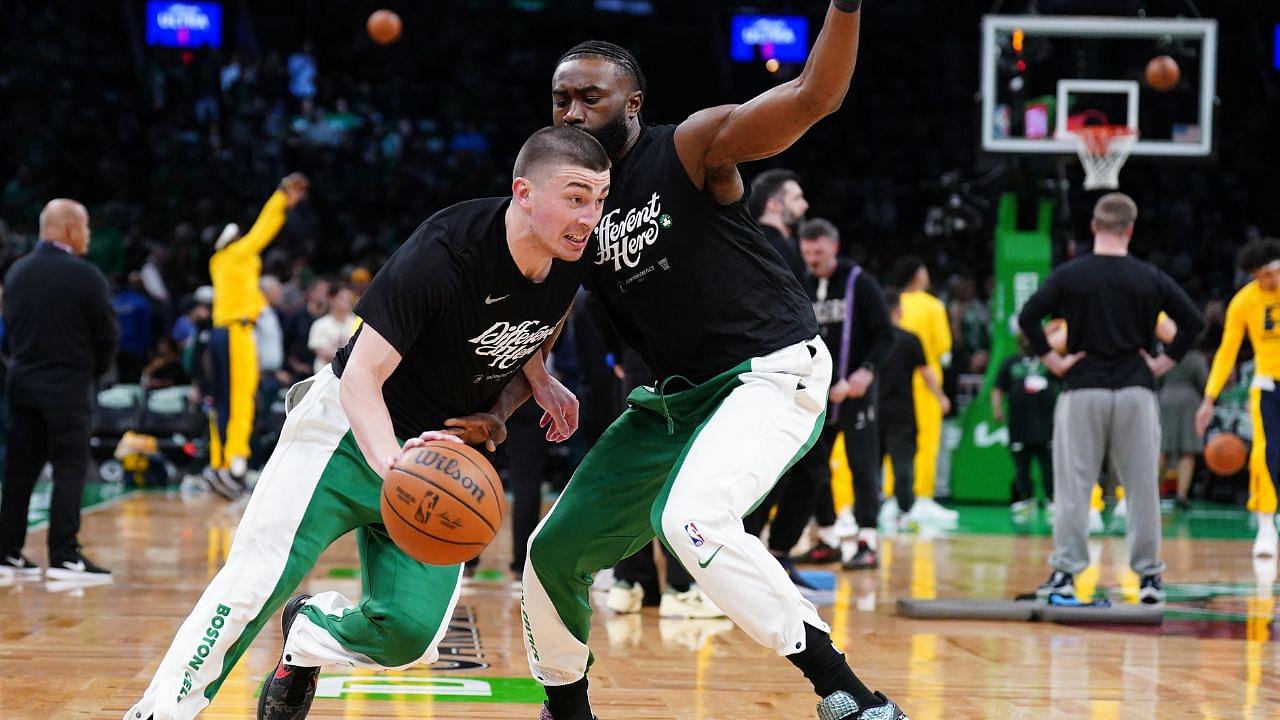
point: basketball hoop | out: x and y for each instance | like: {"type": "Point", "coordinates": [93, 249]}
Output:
{"type": "Point", "coordinates": [1103, 150]}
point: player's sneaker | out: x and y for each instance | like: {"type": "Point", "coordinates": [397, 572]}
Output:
{"type": "Point", "coordinates": [795, 577]}
{"type": "Point", "coordinates": [1095, 522]}
{"type": "Point", "coordinates": [1151, 590]}
{"type": "Point", "coordinates": [927, 511]}
{"type": "Point", "coordinates": [625, 597]}
{"type": "Point", "coordinates": [546, 714]}
{"type": "Point", "coordinates": [78, 568]}
{"type": "Point", "coordinates": [1265, 543]}
{"type": "Point", "coordinates": [692, 604]}
{"type": "Point", "coordinates": [845, 525]}
{"type": "Point", "coordinates": [841, 706]}
{"type": "Point", "coordinates": [1022, 510]}
{"type": "Point", "coordinates": [864, 559]}
{"type": "Point", "coordinates": [889, 512]}
{"type": "Point", "coordinates": [221, 482]}
{"type": "Point", "coordinates": [290, 689]}
{"type": "Point", "coordinates": [18, 565]}
{"type": "Point", "coordinates": [820, 554]}
{"type": "Point", "coordinates": [1059, 583]}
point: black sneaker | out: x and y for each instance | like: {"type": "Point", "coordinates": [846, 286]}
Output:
{"type": "Point", "coordinates": [221, 482]}
{"type": "Point", "coordinates": [820, 554]}
{"type": "Point", "coordinates": [864, 559]}
{"type": "Point", "coordinates": [546, 714]}
{"type": "Point", "coordinates": [841, 706]}
{"type": "Point", "coordinates": [1151, 590]}
{"type": "Point", "coordinates": [1059, 583]}
{"type": "Point", "coordinates": [19, 565]}
{"type": "Point", "coordinates": [79, 568]}
{"type": "Point", "coordinates": [798, 581]}
{"type": "Point", "coordinates": [289, 689]}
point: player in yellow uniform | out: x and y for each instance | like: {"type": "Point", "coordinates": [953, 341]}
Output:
{"type": "Point", "coordinates": [926, 317]}
{"type": "Point", "coordinates": [236, 270]}
{"type": "Point", "coordinates": [1255, 310]}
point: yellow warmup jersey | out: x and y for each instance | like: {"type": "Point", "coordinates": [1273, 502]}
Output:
{"type": "Point", "coordinates": [1257, 312]}
{"type": "Point", "coordinates": [926, 317]}
{"type": "Point", "coordinates": [236, 269]}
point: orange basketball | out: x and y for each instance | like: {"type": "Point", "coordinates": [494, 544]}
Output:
{"type": "Point", "coordinates": [1163, 73]}
{"type": "Point", "coordinates": [384, 27]}
{"type": "Point", "coordinates": [442, 503]}
{"type": "Point", "coordinates": [1226, 454]}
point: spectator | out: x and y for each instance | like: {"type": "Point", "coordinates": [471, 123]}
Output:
{"type": "Point", "coordinates": [330, 333]}
{"type": "Point", "coordinates": [133, 310]}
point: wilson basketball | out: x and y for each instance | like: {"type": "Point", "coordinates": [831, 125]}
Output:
{"type": "Point", "coordinates": [442, 503]}
{"type": "Point", "coordinates": [1226, 454]}
{"type": "Point", "coordinates": [1163, 73]}
{"type": "Point", "coordinates": [384, 27]}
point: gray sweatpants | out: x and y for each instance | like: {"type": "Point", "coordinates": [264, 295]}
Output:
{"type": "Point", "coordinates": [1092, 425]}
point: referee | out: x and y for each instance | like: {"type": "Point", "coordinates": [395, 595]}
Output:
{"type": "Point", "coordinates": [61, 334]}
{"type": "Point", "coordinates": [1111, 303]}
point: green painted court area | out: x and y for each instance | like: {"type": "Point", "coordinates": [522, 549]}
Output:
{"type": "Point", "coordinates": [95, 495]}
{"type": "Point", "coordinates": [430, 688]}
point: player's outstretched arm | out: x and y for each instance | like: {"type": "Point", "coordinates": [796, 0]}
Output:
{"type": "Point", "coordinates": [717, 139]}
{"type": "Point", "coordinates": [372, 361]}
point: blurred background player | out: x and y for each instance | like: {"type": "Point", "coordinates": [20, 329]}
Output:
{"type": "Point", "coordinates": [1255, 311]}
{"type": "Point", "coordinates": [1181, 391]}
{"type": "Point", "coordinates": [1030, 390]}
{"type": "Point", "coordinates": [236, 269]}
{"type": "Point", "coordinates": [1108, 408]}
{"type": "Point", "coordinates": [777, 202]}
{"type": "Point", "coordinates": [925, 316]}
{"type": "Point", "coordinates": [60, 335]}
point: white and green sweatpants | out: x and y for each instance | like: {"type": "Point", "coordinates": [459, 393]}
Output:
{"type": "Point", "coordinates": [686, 466]}
{"type": "Point", "coordinates": [315, 488]}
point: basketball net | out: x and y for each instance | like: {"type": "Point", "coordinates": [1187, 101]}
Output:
{"type": "Point", "coordinates": [1103, 150]}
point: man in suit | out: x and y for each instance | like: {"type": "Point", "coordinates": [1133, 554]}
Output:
{"type": "Point", "coordinates": [61, 334]}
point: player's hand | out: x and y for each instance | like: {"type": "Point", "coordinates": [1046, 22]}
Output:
{"type": "Point", "coordinates": [839, 391]}
{"type": "Point", "coordinates": [1204, 416]}
{"type": "Point", "coordinates": [561, 409]}
{"type": "Point", "coordinates": [945, 402]}
{"type": "Point", "coordinates": [1159, 364]}
{"type": "Point", "coordinates": [1060, 364]}
{"type": "Point", "coordinates": [479, 429]}
{"type": "Point", "coordinates": [295, 186]}
{"type": "Point", "coordinates": [414, 443]}
{"type": "Point", "coordinates": [860, 382]}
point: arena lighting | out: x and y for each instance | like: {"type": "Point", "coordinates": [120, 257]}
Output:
{"type": "Point", "coordinates": [184, 25]}
{"type": "Point", "coordinates": [1018, 39]}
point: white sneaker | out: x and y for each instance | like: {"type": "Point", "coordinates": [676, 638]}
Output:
{"type": "Point", "coordinates": [1122, 509]}
{"type": "Point", "coordinates": [1265, 544]}
{"type": "Point", "coordinates": [828, 536]}
{"type": "Point", "coordinates": [889, 512]}
{"type": "Point", "coordinates": [845, 525]}
{"type": "Point", "coordinates": [692, 604]}
{"type": "Point", "coordinates": [1022, 510]}
{"type": "Point", "coordinates": [928, 511]}
{"type": "Point", "coordinates": [1095, 522]}
{"type": "Point", "coordinates": [625, 598]}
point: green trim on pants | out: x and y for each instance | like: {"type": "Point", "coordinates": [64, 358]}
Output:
{"type": "Point", "coordinates": [618, 490]}
{"type": "Point", "coordinates": [397, 619]}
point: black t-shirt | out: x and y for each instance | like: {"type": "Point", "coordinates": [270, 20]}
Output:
{"type": "Point", "coordinates": [897, 402]}
{"type": "Point", "coordinates": [871, 334]}
{"type": "Point", "coordinates": [1031, 391]}
{"type": "Point", "coordinates": [787, 250]}
{"type": "Point", "coordinates": [690, 283]}
{"type": "Point", "coordinates": [453, 303]}
{"type": "Point", "coordinates": [1111, 305]}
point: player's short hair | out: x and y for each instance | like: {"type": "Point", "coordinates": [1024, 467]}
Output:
{"type": "Point", "coordinates": [619, 56]}
{"type": "Point", "coordinates": [892, 299]}
{"type": "Point", "coordinates": [767, 186]}
{"type": "Point", "coordinates": [1115, 212]}
{"type": "Point", "coordinates": [1259, 253]}
{"type": "Point", "coordinates": [905, 269]}
{"type": "Point", "coordinates": [815, 228]}
{"type": "Point", "coordinates": [560, 145]}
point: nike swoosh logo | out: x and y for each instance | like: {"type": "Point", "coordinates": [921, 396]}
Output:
{"type": "Point", "coordinates": [491, 300]}
{"type": "Point", "coordinates": [704, 565]}
{"type": "Point", "coordinates": [79, 566]}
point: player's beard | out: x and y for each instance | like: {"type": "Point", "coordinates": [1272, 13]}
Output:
{"type": "Point", "coordinates": [612, 136]}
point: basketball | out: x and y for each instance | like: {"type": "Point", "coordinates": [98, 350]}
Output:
{"type": "Point", "coordinates": [384, 27]}
{"type": "Point", "coordinates": [1163, 73]}
{"type": "Point", "coordinates": [442, 503]}
{"type": "Point", "coordinates": [1226, 454]}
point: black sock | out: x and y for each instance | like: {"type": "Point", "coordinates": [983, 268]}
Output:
{"type": "Point", "coordinates": [679, 587]}
{"type": "Point", "coordinates": [569, 702]}
{"type": "Point", "coordinates": [826, 668]}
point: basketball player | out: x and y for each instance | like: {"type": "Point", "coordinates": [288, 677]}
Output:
{"type": "Point", "coordinates": [454, 314]}
{"type": "Point", "coordinates": [1255, 310]}
{"type": "Point", "coordinates": [687, 279]}
{"type": "Point", "coordinates": [236, 269]}
{"type": "Point", "coordinates": [926, 316]}
{"type": "Point", "coordinates": [1108, 408]}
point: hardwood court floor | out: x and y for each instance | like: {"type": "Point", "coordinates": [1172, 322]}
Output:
{"type": "Point", "coordinates": [68, 652]}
